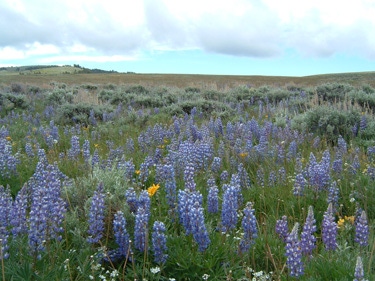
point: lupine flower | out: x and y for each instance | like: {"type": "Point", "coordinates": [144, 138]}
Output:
{"type": "Point", "coordinates": [131, 199]}
{"type": "Point", "coordinates": [121, 235]}
{"type": "Point", "coordinates": [359, 274]}
{"type": "Point", "coordinates": [329, 229]}
{"type": "Point", "coordinates": [333, 194]}
{"type": "Point", "coordinates": [47, 210]}
{"type": "Point", "coordinates": [198, 228]}
{"type": "Point", "coordinates": [216, 164]}
{"type": "Point", "coordinates": [96, 216]}
{"type": "Point", "coordinates": [294, 253]}
{"type": "Point", "coordinates": [29, 150]}
{"type": "Point", "coordinates": [170, 185]}
{"type": "Point", "coordinates": [144, 201]}
{"type": "Point", "coordinates": [8, 161]}
{"type": "Point", "coordinates": [95, 158]}
{"type": "Point", "coordinates": [183, 209]}
{"type": "Point", "coordinates": [229, 207]}
{"type": "Point", "coordinates": [299, 185]}
{"type": "Point", "coordinates": [244, 177]}
{"type": "Point", "coordinates": [5, 207]}
{"type": "Point", "coordinates": [249, 226]}
{"type": "Point", "coordinates": [361, 230]}
{"type": "Point", "coordinates": [18, 218]}
{"type": "Point", "coordinates": [224, 176]}
{"type": "Point", "coordinates": [75, 148]}
{"type": "Point", "coordinates": [307, 236]}
{"type": "Point", "coordinates": [141, 229]}
{"type": "Point", "coordinates": [189, 177]}
{"type": "Point", "coordinates": [213, 199]}
{"type": "Point", "coordinates": [282, 228]}
{"type": "Point", "coordinates": [86, 151]}
{"type": "Point", "coordinates": [159, 242]}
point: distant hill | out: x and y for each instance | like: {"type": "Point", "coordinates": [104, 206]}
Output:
{"type": "Point", "coordinates": [49, 69]}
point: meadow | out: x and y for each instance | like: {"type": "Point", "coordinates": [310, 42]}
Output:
{"type": "Point", "coordinates": [165, 177]}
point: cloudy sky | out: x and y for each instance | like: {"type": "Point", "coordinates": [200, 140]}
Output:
{"type": "Point", "coordinates": [247, 37]}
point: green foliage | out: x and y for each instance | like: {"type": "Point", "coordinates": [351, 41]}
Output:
{"type": "Point", "coordinates": [333, 91]}
{"type": "Point", "coordinates": [59, 97]}
{"type": "Point", "coordinates": [69, 114]}
{"type": "Point", "coordinates": [328, 122]}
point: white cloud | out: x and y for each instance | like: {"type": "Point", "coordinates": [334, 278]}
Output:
{"type": "Point", "coordinates": [259, 28]}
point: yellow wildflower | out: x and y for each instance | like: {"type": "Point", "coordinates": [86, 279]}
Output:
{"type": "Point", "coordinates": [350, 219]}
{"type": "Point", "coordinates": [137, 172]}
{"type": "Point", "coordinates": [8, 138]}
{"type": "Point", "coordinates": [243, 154]}
{"type": "Point", "coordinates": [340, 223]}
{"type": "Point", "coordinates": [96, 145]}
{"type": "Point", "coordinates": [152, 189]}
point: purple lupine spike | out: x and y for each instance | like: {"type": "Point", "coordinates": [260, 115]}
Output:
{"type": "Point", "coordinates": [86, 151]}
{"type": "Point", "coordinates": [141, 229]}
{"type": "Point", "coordinates": [95, 159]}
{"type": "Point", "coordinates": [96, 216]}
{"type": "Point", "coordinates": [183, 209]}
{"type": "Point", "coordinates": [299, 185]}
{"type": "Point", "coordinates": [8, 161]}
{"type": "Point", "coordinates": [144, 201]}
{"type": "Point", "coordinates": [29, 150]}
{"type": "Point", "coordinates": [361, 230]}
{"type": "Point", "coordinates": [229, 207]}
{"type": "Point", "coordinates": [121, 235]}
{"type": "Point", "coordinates": [18, 218]}
{"type": "Point", "coordinates": [170, 185]}
{"type": "Point", "coordinates": [75, 148]}
{"type": "Point", "coordinates": [333, 194]}
{"type": "Point", "coordinates": [249, 226]}
{"type": "Point", "coordinates": [244, 177]}
{"type": "Point", "coordinates": [159, 242]}
{"type": "Point", "coordinates": [5, 209]}
{"type": "Point", "coordinates": [359, 274]}
{"type": "Point", "coordinates": [294, 253]}
{"type": "Point", "coordinates": [37, 221]}
{"type": "Point", "coordinates": [131, 199]}
{"type": "Point", "coordinates": [356, 165]}
{"type": "Point", "coordinates": [216, 165]}
{"type": "Point", "coordinates": [189, 177]}
{"type": "Point", "coordinates": [329, 229]}
{"type": "Point", "coordinates": [213, 199]}
{"type": "Point", "coordinates": [47, 210]}
{"type": "Point", "coordinates": [307, 236]}
{"type": "Point", "coordinates": [224, 176]}
{"type": "Point", "coordinates": [282, 228]}
{"type": "Point", "coordinates": [337, 165]}
{"type": "Point", "coordinates": [341, 146]}
{"type": "Point", "coordinates": [198, 228]}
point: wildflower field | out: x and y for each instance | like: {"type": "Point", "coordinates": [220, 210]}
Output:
{"type": "Point", "coordinates": [135, 182]}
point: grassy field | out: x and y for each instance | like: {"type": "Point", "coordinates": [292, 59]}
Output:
{"type": "Point", "coordinates": [186, 177]}
{"type": "Point", "coordinates": [217, 82]}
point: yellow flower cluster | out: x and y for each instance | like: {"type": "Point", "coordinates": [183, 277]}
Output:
{"type": "Point", "coordinates": [152, 189]}
{"type": "Point", "coordinates": [341, 221]}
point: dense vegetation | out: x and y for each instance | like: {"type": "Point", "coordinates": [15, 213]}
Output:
{"type": "Point", "coordinates": [135, 182]}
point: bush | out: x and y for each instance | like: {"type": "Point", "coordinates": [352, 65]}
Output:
{"type": "Point", "coordinates": [329, 122]}
{"type": "Point", "coordinates": [333, 91]}
{"type": "Point", "coordinates": [80, 113]}
{"type": "Point", "coordinates": [59, 97]}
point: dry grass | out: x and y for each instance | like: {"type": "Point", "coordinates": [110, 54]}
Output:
{"type": "Point", "coordinates": [214, 82]}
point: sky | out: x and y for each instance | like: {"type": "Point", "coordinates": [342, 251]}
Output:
{"type": "Point", "coordinates": [229, 37]}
